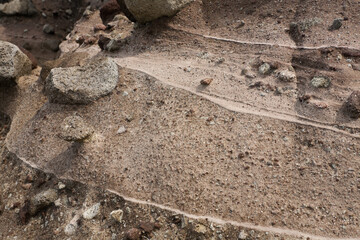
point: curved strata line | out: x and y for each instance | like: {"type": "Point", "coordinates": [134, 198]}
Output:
{"type": "Point", "coordinates": [274, 230]}
{"type": "Point", "coordinates": [293, 233]}
{"type": "Point", "coordinates": [243, 107]}
{"type": "Point", "coordinates": [265, 43]}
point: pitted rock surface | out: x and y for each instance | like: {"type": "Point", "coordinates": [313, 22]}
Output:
{"type": "Point", "coordinates": [82, 85]}
{"type": "Point", "coordinates": [13, 62]}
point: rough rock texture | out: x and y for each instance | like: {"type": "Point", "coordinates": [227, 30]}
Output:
{"type": "Point", "coordinates": [320, 82]}
{"type": "Point", "coordinates": [13, 62]}
{"type": "Point", "coordinates": [353, 105]}
{"type": "Point", "coordinates": [67, 60]}
{"type": "Point", "coordinates": [42, 200]}
{"type": "Point", "coordinates": [14, 7]}
{"type": "Point", "coordinates": [75, 129]}
{"type": "Point", "coordinates": [82, 85]}
{"type": "Point", "coordinates": [146, 11]}
{"type": "Point", "coordinates": [125, 10]}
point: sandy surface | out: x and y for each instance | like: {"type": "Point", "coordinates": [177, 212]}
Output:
{"type": "Point", "coordinates": [229, 150]}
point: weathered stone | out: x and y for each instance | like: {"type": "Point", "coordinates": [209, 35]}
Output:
{"type": "Point", "coordinates": [320, 82]}
{"type": "Point", "coordinates": [17, 7]}
{"type": "Point", "coordinates": [74, 128]}
{"type": "Point", "coordinates": [264, 69]}
{"type": "Point", "coordinates": [286, 76]}
{"type": "Point", "coordinates": [13, 62]}
{"type": "Point", "coordinates": [117, 215]}
{"type": "Point", "coordinates": [82, 85]}
{"type": "Point", "coordinates": [42, 200]}
{"type": "Point", "coordinates": [92, 212]}
{"type": "Point", "coordinates": [146, 11]}
{"type": "Point", "coordinates": [353, 105]}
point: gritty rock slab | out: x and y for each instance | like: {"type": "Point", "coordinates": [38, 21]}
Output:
{"type": "Point", "coordinates": [13, 62]}
{"type": "Point", "coordinates": [82, 85]}
{"type": "Point", "coordinates": [145, 10]}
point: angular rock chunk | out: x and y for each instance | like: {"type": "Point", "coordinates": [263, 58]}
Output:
{"type": "Point", "coordinates": [82, 85]}
{"type": "Point", "coordinates": [13, 62]}
{"type": "Point", "coordinates": [146, 11]}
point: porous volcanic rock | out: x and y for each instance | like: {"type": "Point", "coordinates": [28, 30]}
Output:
{"type": "Point", "coordinates": [146, 11]}
{"type": "Point", "coordinates": [13, 62]}
{"type": "Point", "coordinates": [82, 85]}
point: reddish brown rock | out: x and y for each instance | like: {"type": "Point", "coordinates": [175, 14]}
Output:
{"type": "Point", "coordinates": [206, 81]}
{"type": "Point", "coordinates": [103, 41]}
{"type": "Point", "coordinates": [109, 10]}
{"type": "Point", "coordinates": [148, 227]}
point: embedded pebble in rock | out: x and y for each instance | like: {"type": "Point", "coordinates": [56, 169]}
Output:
{"type": "Point", "coordinates": [286, 76]}
{"type": "Point", "coordinates": [337, 23]}
{"type": "Point", "coordinates": [117, 215]}
{"type": "Point", "coordinates": [74, 128]}
{"type": "Point", "coordinates": [82, 85]}
{"type": "Point", "coordinates": [353, 105]}
{"type": "Point", "coordinates": [264, 69]}
{"type": "Point", "coordinates": [242, 235]}
{"type": "Point", "coordinates": [48, 29]}
{"type": "Point", "coordinates": [248, 73]}
{"type": "Point", "coordinates": [13, 62]}
{"type": "Point", "coordinates": [121, 130]}
{"type": "Point", "coordinates": [42, 200]}
{"type": "Point", "coordinates": [92, 212]}
{"type": "Point", "coordinates": [320, 82]}
{"type": "Point", "coordinates": [17, 7]}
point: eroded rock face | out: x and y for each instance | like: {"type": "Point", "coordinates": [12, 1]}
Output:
{"type": "Point", "coordinates": [148, 10]}
{"type": "Point", "coordinates": [13, 62]}
{"type": "Point", "coordinates": [82, 85]}
{"type": "Point", "coordinates": [14, 7]}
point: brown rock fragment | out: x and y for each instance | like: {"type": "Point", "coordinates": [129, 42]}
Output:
{"type": "Point", "coordinates": [133, 234]}
{"type": "Point", "coordinates": [353, 105]}
{"type": "Point", "coordinates": [206, 81]}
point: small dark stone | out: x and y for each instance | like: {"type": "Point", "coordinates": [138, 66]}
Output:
{"type": "Point", "coordinates": [337, 23]}
{"type": "Point", "coordinates": [353, 105]}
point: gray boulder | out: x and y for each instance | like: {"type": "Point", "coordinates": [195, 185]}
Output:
{"type": "Point", "coordinates": [148, 10]}
{"type": "Point", "coordinates": [17, 7]}
{"type": "Point", "coordinates": [13, 62]}
{"type": "Point", "coordinates": [82, 85]}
